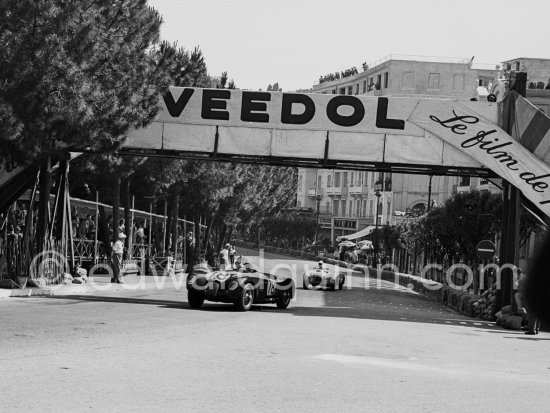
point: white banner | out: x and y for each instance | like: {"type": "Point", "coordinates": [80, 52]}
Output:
{"type": "Point", "coordinates": [488, 144]}
{"type": "Point", "coordinates": [295, 126]}
{"type": "Point", "coordinates": [407, 131]}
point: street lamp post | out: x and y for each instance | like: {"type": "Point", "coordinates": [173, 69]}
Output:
{"type": "Point", "coordinates": [378, 194]}
{"type": "Point", "coordinates": [429, 206]}
{"type": "Point", "coordinates": [318, 199]}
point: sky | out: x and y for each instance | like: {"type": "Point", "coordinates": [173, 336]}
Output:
{"type": "Point", "coordinates": [294, 42]}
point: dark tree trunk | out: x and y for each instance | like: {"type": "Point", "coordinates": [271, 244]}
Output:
{"type": "Point", "coordinates": [43, 203]}
{"type": "Point", "coordinates": [208, 231]}
{"type": "Point", "coordinates": [103, 231]}
{"type": "Point", "coordinates": [61, 218]}
{"type": "Point", "coordinates": [116, 205]}
{"type": "Point", "coordinates": [175, 209]}
{"type": "Point", "coordinates": [127, 219]}
{"type": "Point", "coordinates": [198, 239]}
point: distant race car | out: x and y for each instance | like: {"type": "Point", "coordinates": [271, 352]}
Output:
{"type": "Point", "coordinates": [242, 287]}
{"type": "Point", "coordinates": [321, 276]}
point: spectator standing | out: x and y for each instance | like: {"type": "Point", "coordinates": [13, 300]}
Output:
{"type": "Point", "coordinates": [118, 250]}
{"type": "Point", "coordinates": [533, 323]}
{"type": "Point", "coordinates": [224, 258]}
{"type": "Point", "coordinates": [232, 253]}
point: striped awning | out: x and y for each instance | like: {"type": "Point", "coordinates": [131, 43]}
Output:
{"type": "Point", "coordinates": [363, 233]}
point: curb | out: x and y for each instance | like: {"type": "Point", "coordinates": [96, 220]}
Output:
{"type": "Point", "coordinates": [98, 284]}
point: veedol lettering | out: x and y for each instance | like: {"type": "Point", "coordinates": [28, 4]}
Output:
{"type": "Point", "coordinates": [290, 99]}
{"type": "Point", "coordinates": [255, 109]}
{"type": "Point", "coordinates": [483, 142]}
{"type": "Point", "coordinates": [175, 108]}
{"type": "Point", "coordinates": [213, 104]}
{"type": "Point", "coordinates": [252, 101]}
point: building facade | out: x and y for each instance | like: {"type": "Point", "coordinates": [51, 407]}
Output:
{"type": "Point", "coordinates": [349, 201]}
{"type": "Point", "coordinates": [346, 202]}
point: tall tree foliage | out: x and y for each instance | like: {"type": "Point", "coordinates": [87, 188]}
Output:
{"type": "Point", "coordinates": [75, 72]}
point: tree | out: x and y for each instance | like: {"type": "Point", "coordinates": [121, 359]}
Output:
{"type": "Point", "coordinates": [75, 73]}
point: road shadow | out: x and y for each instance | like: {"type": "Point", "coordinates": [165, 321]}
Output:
{"type": "Point", "coordinates": [122, 300]}
{"type": "Point", "coordinates": [355, 303]}
{"type": "Point", "coordinates": [180, 305]}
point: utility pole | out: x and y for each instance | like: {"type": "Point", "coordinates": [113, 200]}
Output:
{"type": "Point", "coordinates": [428, 207]}
{"type": "Point", "coordinates": [379, 188]}
{"type": "Point", "coordinates": [511, 208]}
{"type": "Point", "coordinates": [318, 199]}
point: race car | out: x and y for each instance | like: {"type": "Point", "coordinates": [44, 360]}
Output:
{"type": "Point", "coordinates": [242, 287]}
{"type": "Point", "coordinates": [322, 276]}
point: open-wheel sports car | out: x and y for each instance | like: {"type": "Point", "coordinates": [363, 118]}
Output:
{"type": "Point", "coordinates": [322, 276]}
{"type": "Point", "coordinates": [242, 287]}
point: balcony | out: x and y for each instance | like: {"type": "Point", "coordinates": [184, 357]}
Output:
{"type": "Point", "coordinates": [312, 193]}
{"type": "Point", "coordinates": [358, 190]}
{"type": "Point", "coordinates": [334, 190]}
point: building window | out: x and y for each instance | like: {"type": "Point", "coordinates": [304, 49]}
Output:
{"type": "Point", "coordinates": [350, 90]}
{"type": "Point", "coordinates": [357, 89]}
{"type": "Point", "coordinates": [378, 82]}
{"type": "Point", "coordinates": [408, 80]}
{"type": "Point", "coordinates": [365, 208]}
{"type": "Point", "coordinates": [386, 80]}
{"type": "Point", "coordinates": [337, 179]}
{"type": "Point", "coordinates": [345, 183]}
{"type": "Point", "coordinates": [483, 181]}
{"type": "Point", "coordinates": [333, 91]}
{"type": "Point", "coordinates": [518, 66]}
{"type": "Point", "coordinates": [319, 181]}
{"type": "Point", "coordinates": [350, 208]}
{"type": "Point", "coordinates": [329, 181]}
{"type": "Point", "coordinates": [458, 82]}
{"type": "Point", "coordinates": [372, 179]}
{"type": "Point", "coordinates": [327, 207]}
{"type": "Point", "coordinates": [342, 90]}
{"type": "Point", "coordinates": [364, 86]}
{"type": "Point", "coordinates": [464, 181]}
{"type": "Point", "coordinates": [335, 205]}
{"type": "Point", "coordinates": [433, 81]}
{"type": "Point", "coordinates": [343, 207]}
{"type": "Point", "coordinates": [358, 208]}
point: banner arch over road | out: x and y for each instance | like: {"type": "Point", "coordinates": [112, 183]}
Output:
{"type": "Point", "coordinates": [402, 135]}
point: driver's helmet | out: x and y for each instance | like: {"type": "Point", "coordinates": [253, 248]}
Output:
{"type": "Point", "coordinates": [321, 264]}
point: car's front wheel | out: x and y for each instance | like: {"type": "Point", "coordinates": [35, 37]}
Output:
{"type": "Point", "coordinates": [244, 302]}
{"type": "Point", "coordinates": [284, 299]}
{"type": "Point", "coordinates": [195, 300]}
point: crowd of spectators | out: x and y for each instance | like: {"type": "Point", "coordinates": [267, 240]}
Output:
{"type": "Point", "coordinates": [338, 75]}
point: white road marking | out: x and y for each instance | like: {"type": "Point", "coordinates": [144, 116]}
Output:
{"type": "Point", "coordinates": [408, 364]}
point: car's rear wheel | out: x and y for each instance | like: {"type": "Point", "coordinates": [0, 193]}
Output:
{"type": "Point", "coordinates": [195, 300]}
{"type": "Point", "coordinates": [284, 299]}
{"type": "Point", "coordinates": [244, 302]}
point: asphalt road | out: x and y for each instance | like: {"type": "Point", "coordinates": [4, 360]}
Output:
{"type": "Point", "coordinates": [368, 348]}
